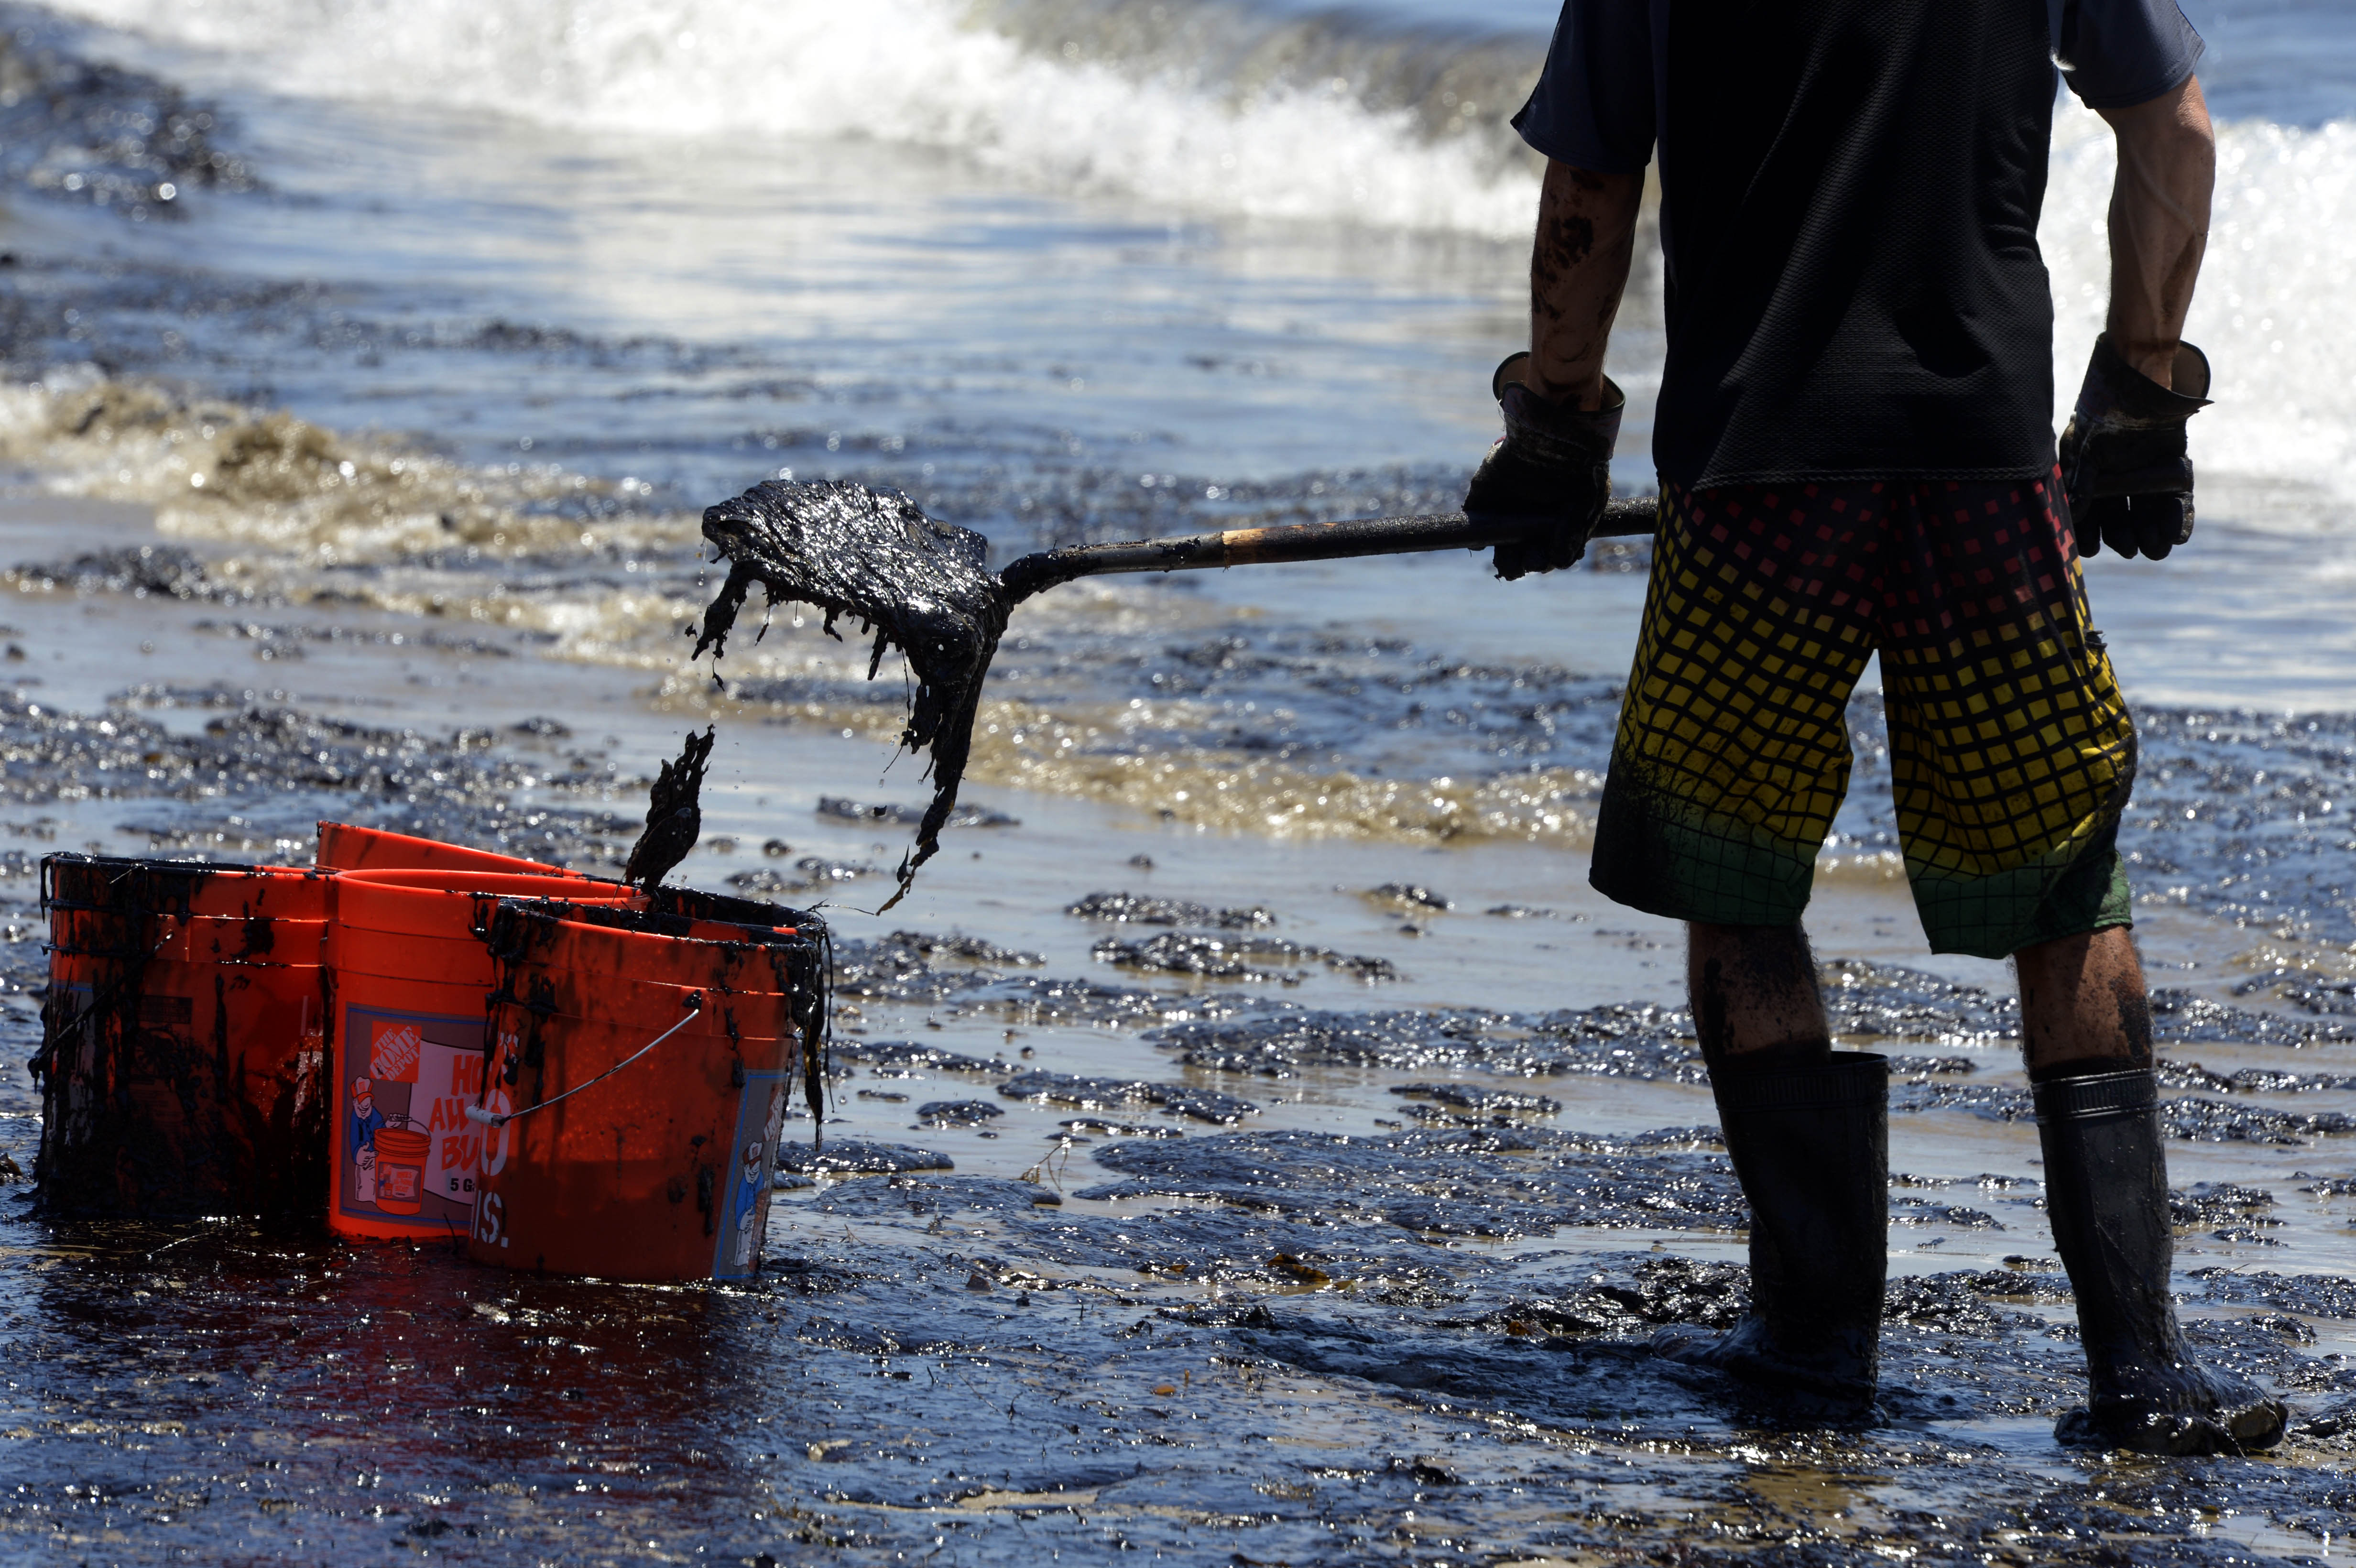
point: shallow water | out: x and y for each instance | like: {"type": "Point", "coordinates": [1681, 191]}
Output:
{"type": "Point", "coordinates": [1361, 1309]}
{"type": "Point", "coordinates": [1321, 1224]}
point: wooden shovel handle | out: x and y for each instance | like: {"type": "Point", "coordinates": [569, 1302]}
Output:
{"type": "Point", "coordinates": [1622, 518]}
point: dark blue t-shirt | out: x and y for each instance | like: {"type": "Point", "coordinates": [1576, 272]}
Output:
{"type": "Point", "coordinates": [1851, 191]}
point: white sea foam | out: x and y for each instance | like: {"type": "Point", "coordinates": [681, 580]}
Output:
{"type": "Point", "coordinates": [901, 70]}
{"type": "Point", "coordinates": [2272, 311]}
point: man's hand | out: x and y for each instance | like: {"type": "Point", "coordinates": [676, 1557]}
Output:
{"type": "Point", "coordinates": [1552, 472]}
{"type": "Point", "coordinates": [2124, 461]}
{"type": "Point", "coordinates": [1554, 466]}
{"type": "Point", "coordinates": [2124, 465]}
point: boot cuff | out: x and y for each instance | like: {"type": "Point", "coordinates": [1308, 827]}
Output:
{"type": "Point", "coordinates": [1850, 1077]}
{"type": "Point", "coordinates": [2099, 1097]}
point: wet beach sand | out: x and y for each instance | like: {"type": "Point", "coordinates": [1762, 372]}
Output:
{"type": "Point", "coordinates": [1252, 1142]}
{"type": "Point", "coordinates": [1298, 1199]}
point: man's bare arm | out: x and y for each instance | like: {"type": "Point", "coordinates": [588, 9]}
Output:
{"type": "Point", "coordinates": [2159, 223]}
{"type": "Point", "coordinates": [1579, 266]}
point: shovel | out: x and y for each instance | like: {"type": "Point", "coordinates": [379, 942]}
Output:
{"type": "Point", "coordinates": [924, 586]}
{"type": "Point", "coordinates": [1623, 518]}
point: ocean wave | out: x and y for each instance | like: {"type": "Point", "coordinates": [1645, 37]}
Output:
{"type": "Point", "coordinates": [284, 512]}
{"type": "Point", "coordinates": [1202, 108]}
{"type": "Point", "coordinates": [1222, 107]}
{"type": "Point", "coordinates": [223, 470]}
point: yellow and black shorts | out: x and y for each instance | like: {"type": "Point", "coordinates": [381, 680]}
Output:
{"type": "Point", "coordinates": [2012, 751]}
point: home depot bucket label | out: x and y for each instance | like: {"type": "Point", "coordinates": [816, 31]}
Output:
{"type": "Point", "coordinates": [411, 1156]}
{"type": "Point", "coordinates": [760, 1117]}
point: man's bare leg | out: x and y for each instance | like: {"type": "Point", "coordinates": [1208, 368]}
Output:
{"type": "Point", "coordinates": [1808, 1133]}
{"type": "Point", "coordinates": [2084, 1009]}
{"type": "Point", "coordinates": [2085, 1025]}
{"type": "Point", "coordinates": [1755, 996]}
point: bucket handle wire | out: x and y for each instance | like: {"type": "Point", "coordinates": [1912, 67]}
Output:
{"type": "Point", "coordinates": [692, 1002]}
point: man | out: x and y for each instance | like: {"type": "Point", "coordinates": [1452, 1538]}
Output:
{"type": "Point", "coordinates": [1855, 454]}
{"type": "Point", "coordinates": [366, 1122]}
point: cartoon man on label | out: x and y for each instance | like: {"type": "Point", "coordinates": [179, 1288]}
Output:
{"type": "Point", "coordinates": [750, 1180]}
{"type": "Point", "coordinates": [366, 1120]}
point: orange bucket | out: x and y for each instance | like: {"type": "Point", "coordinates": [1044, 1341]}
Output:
{"type": "Point", "coordinates": [639, 1080]}
{"type": "Point", "coordinates": [184, 1038]}
{"type": "Point", "coordinates": [401, 1170]}
{"type": "Point", "coordinates": [345, 847]}
{"type": "Point", "coordinates": [412, 976]}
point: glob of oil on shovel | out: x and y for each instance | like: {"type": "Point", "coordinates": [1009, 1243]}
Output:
{"type": "Point", "coordinates": [913, 581]}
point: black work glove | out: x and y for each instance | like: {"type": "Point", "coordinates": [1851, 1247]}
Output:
{"type": "Point", "coordinates": [2124, 464]}
{"type": "Point", "coordinates": [1552, 472]}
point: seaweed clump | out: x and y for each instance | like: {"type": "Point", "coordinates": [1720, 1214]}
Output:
{"type": "Point", "coordinates": [910, 582]}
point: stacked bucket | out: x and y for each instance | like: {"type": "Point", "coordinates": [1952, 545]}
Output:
{"type": "Point", "coordinates": [183, 1035]}
{"type": "Point", "coordinates": [427, 1043]}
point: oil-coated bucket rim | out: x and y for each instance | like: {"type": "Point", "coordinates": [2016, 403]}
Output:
{"type": "Point", "coordinates": [157, 885]}
{"type": "Point", "coordinates": [622, 940]}
{"type": "Point", "coordinates": [443, 903]}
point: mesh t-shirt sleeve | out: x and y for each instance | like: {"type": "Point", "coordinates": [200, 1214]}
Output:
{"type": "Point", "coordinates": [1593, 105]}
{"type": "Point", "coordinates": [2115, 53]}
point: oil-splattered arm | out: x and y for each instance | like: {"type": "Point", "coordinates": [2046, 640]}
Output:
{"type": "Point", "coordinates": [1552, 472]}
{"type": "Point", "coordinates": [1579, 268]}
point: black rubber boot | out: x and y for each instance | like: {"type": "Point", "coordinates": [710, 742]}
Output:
{"type": "Point", "coordinates": [1811, 1147]}
{"type": "Point", "coordinates": [2106, 1194]}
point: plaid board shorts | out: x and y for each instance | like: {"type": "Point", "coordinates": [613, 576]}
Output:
{"type": "Point", "coordinates": [2012, 751]}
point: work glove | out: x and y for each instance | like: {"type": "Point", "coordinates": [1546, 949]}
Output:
{"type": "Point", "coordinates": [2124, 464]}
{"type": "Point", "coordinates": [1552, 471]}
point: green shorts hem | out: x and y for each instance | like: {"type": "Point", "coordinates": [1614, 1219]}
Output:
{"type": "Point", "coordinates": [1717, 875]}
{"type": "Point", "coordinates": [1995, 917]}
{"type": "Point", "coordinates": [1721, 876]}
